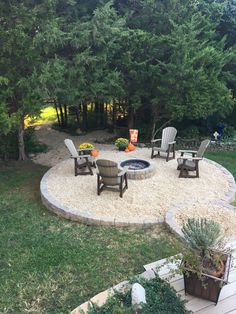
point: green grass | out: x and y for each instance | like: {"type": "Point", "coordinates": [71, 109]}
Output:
{"type": "Point", "coordinates": [47, 115]}
{"type": "Point", "coordinates": [51, 265]}
{"type": "Point", "coordinates": [226, 158]}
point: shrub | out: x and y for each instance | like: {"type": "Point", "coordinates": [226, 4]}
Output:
{"type": "Point", "coordinates": [161, 298]}
{"type": "Point", "coordinates": [204, 244]}
{"type": "Point", "coordinates": [202, 235]}
{"type": "Point", "coordinates": [191, 132]}
{"type": "Point", "coordinates": [31, 143]}
{"type": "Point", "coordinates": [121, 143]}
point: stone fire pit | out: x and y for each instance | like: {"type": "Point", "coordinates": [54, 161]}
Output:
{"type": "Point", "coordinates": [139, 169]}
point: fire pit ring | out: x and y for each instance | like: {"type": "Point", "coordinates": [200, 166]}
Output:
{"type": "Point", "coordinates": [138, 169]}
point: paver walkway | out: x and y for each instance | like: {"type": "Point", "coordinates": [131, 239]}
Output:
{"type": "Point", "coordinates": [227, 300]}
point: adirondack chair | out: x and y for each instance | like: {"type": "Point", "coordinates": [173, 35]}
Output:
{"type": "Point", "coordinates": [109, 175]}
{"type": "Point", "coordinates": [191, 163]}
{"type": "Point", "coordinates": [167, 143]}
{"type": "Point", "coordinates": [83, 162]}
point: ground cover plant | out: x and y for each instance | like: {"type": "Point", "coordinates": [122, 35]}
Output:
{"type": "Point", "coordinates": [160, 297]}
{"type": "Point", "coordinates": [51, 265]}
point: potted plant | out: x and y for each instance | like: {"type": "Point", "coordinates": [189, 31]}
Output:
{"type": "Point", "coordinates": [206, 263]}
{"type": "Point", "coordinates": [121, 143]}
{"type": "Point", "coordinates": [86, 148]}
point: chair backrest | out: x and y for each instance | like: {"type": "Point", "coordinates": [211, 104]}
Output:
{"type": "Point", "coordinates": [108, 170]}
{"type": "Point", "coordinates": [203, 146]}
{"type": "Point", "coordinates": [71, 147]}
{"type": "Point", "coordinates": [168, 135]}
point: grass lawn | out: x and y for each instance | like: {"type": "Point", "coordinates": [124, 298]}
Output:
{"type": "Point", "coordinates": [47, 115]}
{"type": "Point", "coordinates": [226, 159]}
{"type": "Point", "coordinates": [51, 265]}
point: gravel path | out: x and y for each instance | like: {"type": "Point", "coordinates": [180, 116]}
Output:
{"type": "Point", "coordinates": [56, 147]}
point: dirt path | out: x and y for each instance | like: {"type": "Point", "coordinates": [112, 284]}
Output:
{"type": "Point", "coordinates": [56, 148]}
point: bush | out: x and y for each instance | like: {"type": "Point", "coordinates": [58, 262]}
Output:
{"type": "Point", "coordinates": [31, 143]}
{"type": "Point", "coordinates": [191, 132]}
{"type": "Point", "coordinates": [8, 146]}
{"type": "Point", "coordinates": [121, 143]}
{"type": "Point", "coordinates": [161, 299]}
{"type": "Point", "coordinates": [229, 132]}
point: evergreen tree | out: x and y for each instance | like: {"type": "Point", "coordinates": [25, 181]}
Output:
{"type": "Point", "coordinates": [20, 58]}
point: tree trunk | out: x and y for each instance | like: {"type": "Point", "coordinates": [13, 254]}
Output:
{"type": "Point", "coordinates": [61, 114]}
{"type": "Point", "coordinates": [157, 115]}
{"type": "Point", "coordinates": [131, 118]}
{"type": "Point", "coordinates": [58, 117]}
{"type": "Point", "coordinates": [77, 114]}
{"type": "Point", "coordinates": [65, 115]}
{"type": "Point", "coordinates": [21, 145]}
{"type": "Point", "coordinates": [106, 115]}
{"type": "Point", "coordinates": [96, 109]}
{"type": "Point", "coordinates": [102, 114]}
{"type": "Point", "coordinates": [85, 117]}
{"type": "Point", "coordinates": [114, 114]}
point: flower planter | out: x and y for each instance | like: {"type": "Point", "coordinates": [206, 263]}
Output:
{"type": "Point", "coordinates": [206, 286]}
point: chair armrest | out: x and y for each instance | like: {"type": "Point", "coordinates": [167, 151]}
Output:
{"type": "Point", "coordinates": [123, 171]}
{"type": "Point", "coordinates": [188, 151]}
{"type": "Point", "coordinates": [156, 140]}
{"type": "Point", "coordinates": [84, 156]}
{"type": "Point", "coordinates": [82, 149]}
{"type": "Point", "coordinates": [190, 158]}
{"type": "Point", "coordinates": [171, 143]}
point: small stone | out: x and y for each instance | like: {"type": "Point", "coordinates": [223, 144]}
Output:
{"type": "Point", "coordinates": [138, 295]}
{"type": "Point", "coordinates": [31, 155]}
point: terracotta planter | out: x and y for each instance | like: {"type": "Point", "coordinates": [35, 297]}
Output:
{"type": "Point", "coordinates": [207, 286]}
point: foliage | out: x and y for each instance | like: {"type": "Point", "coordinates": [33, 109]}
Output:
{"type": "Point", "coordinates": [86, 145]}
{"type": "Point", "coordinates": [191, 132]}
{"type": "Point", "coordinates": [21, 58]}
{"type": "Point", "coordinates": [46, 258]}
{"type": "Point", "coordinates": [121, 143]}
{"type": "Point", "coordinates": [161, 299]}
{"type": "Point", "coordinates": [202, 235]}
{"type": "Point", "coordinates": [31, 143]}
{"type": "Point", "coordinates": [229, 132]}
{"type": "Point", "coordinates": [204, 245]}
{"type": "Point", "coordinates": [170, 57]}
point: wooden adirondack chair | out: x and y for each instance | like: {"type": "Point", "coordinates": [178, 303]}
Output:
{"type": "Point", "coordinates": [167, 143]}
{"type": "Point", "coordinates": [83, 162]}
{"type": "Point", "coordinates": [110, 175]}
{"type": "Point", "coordinates": [191, 163]}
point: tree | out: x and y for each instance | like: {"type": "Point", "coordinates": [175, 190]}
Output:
{"type": "Point", "coordinates": [186, 61]}
{"type": "Point", "coordinates": [21, 59]}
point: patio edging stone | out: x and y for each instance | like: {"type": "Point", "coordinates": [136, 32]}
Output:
{"type": "Point", "coordinates": [69, 213]}
{"type": "Point", "coordinates": [230, 197]}
{"type": "Point", "coordinates": [82, 216]}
